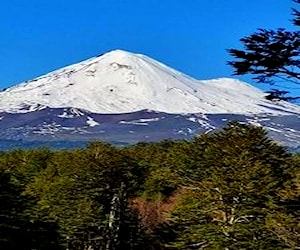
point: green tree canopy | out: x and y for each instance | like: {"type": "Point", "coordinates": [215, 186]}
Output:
{"type": "Point", "coordinates": [226, 204]}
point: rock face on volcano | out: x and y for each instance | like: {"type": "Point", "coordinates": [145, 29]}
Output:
{"type": "Point", "coordinates": [123, 97]}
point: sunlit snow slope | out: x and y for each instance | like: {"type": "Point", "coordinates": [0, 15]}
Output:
{"type": "Point", "coordinates": [120, 82]}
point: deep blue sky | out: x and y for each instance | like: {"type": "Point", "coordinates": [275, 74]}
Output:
{"type": "Point", "coordinates": [191, 35]}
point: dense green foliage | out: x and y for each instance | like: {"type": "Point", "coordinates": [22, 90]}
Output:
{"type": "Point", "coordinates": [232, 189]}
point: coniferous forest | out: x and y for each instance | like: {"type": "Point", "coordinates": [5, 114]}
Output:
{"type": "Point", "coordinates": [232, 189]}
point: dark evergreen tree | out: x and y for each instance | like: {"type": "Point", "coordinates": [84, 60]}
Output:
{"type": "Point", "coordinates": [227, 202]}
{"type": "Point", "coordinates": [276, 95]}
{"type": "Point", "coordinates": [285, 222]}
{"type": "Point", "coordinates": [296, 14]}
{"type": "Point", "coordinates": [88, 193]}
{"type": "Point", "coordinates": [270, 55]}
{"type": "Point", "coordinates": [11, 220]}
{"type": "Point", "coordinates": [17, 229]}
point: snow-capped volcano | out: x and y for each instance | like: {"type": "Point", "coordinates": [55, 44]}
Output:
{"type": "Point", "coordinates": [122, 82]}
{"type": "Point", "coordinates": [124, 98]}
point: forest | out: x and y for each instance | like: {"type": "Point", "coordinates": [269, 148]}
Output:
{"type": "Point", "coordinates": [231, 189]}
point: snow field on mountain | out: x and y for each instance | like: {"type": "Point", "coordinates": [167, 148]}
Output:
{"type": "Point", "coordinates": [123, 82]}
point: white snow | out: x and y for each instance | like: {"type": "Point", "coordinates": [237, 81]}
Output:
{"type": "Point", "coordinates": [134, 123]}
{"type": "Point", "coordinates": [65, 115]}
{"type": "Point", "coordinates": [121, 82]}
{"type": "Point", "coordinates": [143, 121]}
{"type": "Point", "coordinates": [91, 122]}
{"type": "Point", "coordinates": [71, 113]}
{"type": "Point", "coordinates": [149, 120]}
{"type": "Point", "coordinates": [273, 129]}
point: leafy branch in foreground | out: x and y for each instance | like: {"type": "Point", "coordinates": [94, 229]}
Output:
{"type": "Point", "coordinates": [271, 56]}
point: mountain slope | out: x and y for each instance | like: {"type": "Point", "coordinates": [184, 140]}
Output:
{"type": "Point", "coordinates": [64, 127]}
{"type": "Point", "coordinates": [120, 82]}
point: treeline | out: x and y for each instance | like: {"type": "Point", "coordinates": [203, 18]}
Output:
{"type": "Point", "coordinates": [232, 189]}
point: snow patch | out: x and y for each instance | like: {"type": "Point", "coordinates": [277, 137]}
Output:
{"type": "Point", "coordinates": [133, 123]}
{"type": "Point", "coordinates": [71, 113]}
{"type": "Point", "coordinates": [91, 122]}
{"type": "Point", "coordinates": [273, 129]}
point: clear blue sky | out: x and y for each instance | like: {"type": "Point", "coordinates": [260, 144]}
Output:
{"type": "Point", "coordinates": [191, 35]}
